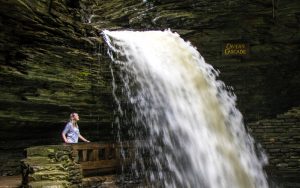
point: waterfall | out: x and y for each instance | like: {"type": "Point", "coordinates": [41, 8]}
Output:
{"type": "Point", "coordinates": [187, 129]}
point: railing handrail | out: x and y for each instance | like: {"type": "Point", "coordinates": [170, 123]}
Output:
{"type": "Point", "coordinates": [94, 155]}
{"type": "Point", "coordinates": [91, 145]}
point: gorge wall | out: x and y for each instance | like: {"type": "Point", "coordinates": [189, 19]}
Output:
{"type": "Point", "coordinates": [280, 139]}
{"type": "Point", "coordinates": [53, 62]}
{"type": "Point", "coordinates": [50, 66]}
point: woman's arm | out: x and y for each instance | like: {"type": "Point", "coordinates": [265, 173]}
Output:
{"type": "Point", "coordinates": [64, 137]}
{"type": "Point", "coordinates": [64, 132]}
{"type": "Point", "coordinates": [82, 138]}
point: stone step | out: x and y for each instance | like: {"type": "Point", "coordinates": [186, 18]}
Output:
{"type": "Point", "coordinates": [37, 160]}
{"type": "Point", "coordinates": [99, 181]}
{"type": "Point", "coordinates": [49, 184]}
{"type": "Point", "coordinates": [49, 150]}
{"type": "Point", "coordinates": [40, 161]}
{"type": "Point", "coordinates": [54, 175]}
{"type": "Point", "coordinates": [48, 167]}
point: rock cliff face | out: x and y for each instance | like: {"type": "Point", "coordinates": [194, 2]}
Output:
{"type": "Point", "coordinates": [281, 141]}
{"type": "Point", "coordinates": [50, 66]}
{"type": "Point", "coordinates": [52, 60]}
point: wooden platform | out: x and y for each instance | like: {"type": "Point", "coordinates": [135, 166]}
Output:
{"type": "Point", "coordinates": [101, 157]}
{"type": "Point", "coordinates": [10, 181]}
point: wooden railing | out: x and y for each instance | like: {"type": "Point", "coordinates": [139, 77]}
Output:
{"type": "Point", "coordinates": [102, 157]}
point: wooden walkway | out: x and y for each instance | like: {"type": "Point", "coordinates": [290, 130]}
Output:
{"type": "Point", "coordinates": [10, 181]}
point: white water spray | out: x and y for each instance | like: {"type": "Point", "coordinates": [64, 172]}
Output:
{"type": "Point", "coordinates": [192, 134]}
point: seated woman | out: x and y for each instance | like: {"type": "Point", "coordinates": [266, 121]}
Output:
{"type": "Point", "coordinates": [71, 133]}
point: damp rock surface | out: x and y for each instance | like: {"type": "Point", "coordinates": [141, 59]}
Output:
{"type": "Point", "coordinates": [279, 137]}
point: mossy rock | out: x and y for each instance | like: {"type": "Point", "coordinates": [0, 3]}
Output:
{"type": "Point", "coordinates": [48, 167]}
{"type": "Point", "coordinates": [45, 151]}
{"type": "Point", "coordinates": [36, 161]}
{"type": "Point", "coordinates": [49, 184]}
{"type": "Point", "coordinates": [54, 175]}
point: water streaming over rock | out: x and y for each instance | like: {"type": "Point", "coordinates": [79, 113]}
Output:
{"type": "Point", "coordinates": [187, 129]}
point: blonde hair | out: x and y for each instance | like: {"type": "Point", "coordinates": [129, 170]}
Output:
{"type": "Point", "coordinates": [72, 120]}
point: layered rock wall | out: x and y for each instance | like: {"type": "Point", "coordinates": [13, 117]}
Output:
{"type": "Point", "coordinates": [281, 142]}
{"type": "Point", "coordinates": [51, 64]}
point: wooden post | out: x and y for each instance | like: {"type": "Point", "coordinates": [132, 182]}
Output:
{"type": "Point", "coordinates": [106, 152]}
{"type": "Point", "coordinates": [84, 155]}
{"type": "Point", "coordinates": [95, 155]}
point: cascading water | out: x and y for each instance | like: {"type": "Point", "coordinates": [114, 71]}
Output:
{"type": "Point", "coordinates": [187, 129]}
